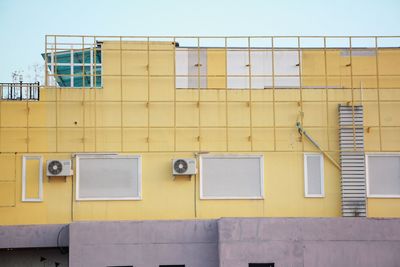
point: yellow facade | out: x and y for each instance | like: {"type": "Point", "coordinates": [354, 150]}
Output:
{"type": "Point", "coordinates": [139, 111]}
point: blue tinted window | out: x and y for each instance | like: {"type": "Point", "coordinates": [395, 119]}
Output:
{"type": "Point", "coordinates": [86, 64]}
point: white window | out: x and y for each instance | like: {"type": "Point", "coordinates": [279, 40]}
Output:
{"type": "Point", "coordinates": [32, 179]}
{"type": "Point", "coordinates": [383, 175]}
{"type": "Point", "coordinates": [108, 177]}
{"type": "Point", "coordinates": [313, 175]}
{"type": "Point", "coordinates": [231, 177]}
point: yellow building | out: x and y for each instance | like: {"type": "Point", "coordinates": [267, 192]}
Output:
{"type": "Point", "coordinates": [263, 119]}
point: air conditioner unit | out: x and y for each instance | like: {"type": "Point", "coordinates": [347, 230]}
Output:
{"type": "Point", "coordinates": [184, 167]}
{"type": "Point", "coordinates": [56, 167]}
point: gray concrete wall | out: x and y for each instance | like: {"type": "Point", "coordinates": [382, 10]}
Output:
{"type": "Point", "coordinates": [33, 257]}
{"type": "Point", "coordinates": [310, 242]}
{"type": "Point", "coordinates": [144, 243]}
{"type": "Point", "coordinates": [34, 236]}
{"type": "Point", "coordinates": [233, 242]}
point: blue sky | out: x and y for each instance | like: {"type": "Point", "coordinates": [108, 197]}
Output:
{"type": "Point", "coordinates": [24, 23]}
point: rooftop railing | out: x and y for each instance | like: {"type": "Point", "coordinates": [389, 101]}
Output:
{"type": "Point", "coordinates": [20, 91]}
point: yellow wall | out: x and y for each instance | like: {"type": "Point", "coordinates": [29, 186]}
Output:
{"type": "Point", "coordinates": [139, 111]}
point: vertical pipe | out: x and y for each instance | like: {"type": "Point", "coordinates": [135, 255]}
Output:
{"type": "Point", "coordinates": [198, 88]}
{"type": "Point", "coordinates": [378, 93]}
{"type": "Point", "coordinates": [120, 91]}
{"type": "Point", "coordinates": [148, 93]}
{"type": "Point", "coordinates": [94, 102]}
{"type": "Point", "coordinates": [83, 95]}
{"type": "Point", "coordinates": [174, 77]}
{"type": "Point", "coordinates": [95, 96]}
{"type": "Point", "coordinates": [27, 117]}
{"type": "Point", "coordinates": [326, 94]}
{"type": "Point", "coordinates": [273, 88]}
{"type": "Point", "coordinates": [250, 94]}
{"type": "Point", "coordinates": [226, 94]}
{"type": "Point", "coordinates": [91, 51]}
{"type": "Point", "coordinates": [300, 83]}
{"type": "Point", "coordinates": [53, 63]}
{"type": "Point", "coordinates": [352, 96]}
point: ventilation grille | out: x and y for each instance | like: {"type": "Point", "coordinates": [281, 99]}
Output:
{"type": "Point", "coordinates": [352, 161]}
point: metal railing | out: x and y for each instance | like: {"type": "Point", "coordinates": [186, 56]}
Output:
{"type": "Point", "coordinates": [350, 73]}
{"type": "Point", "coordinates": [20, 91]}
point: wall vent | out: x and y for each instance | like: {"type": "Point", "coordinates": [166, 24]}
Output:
{"type": "Point", "coordinates": [352, 161]}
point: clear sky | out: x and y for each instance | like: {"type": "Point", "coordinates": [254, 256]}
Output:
{"type": "Point", "coordinates": [24, 23]}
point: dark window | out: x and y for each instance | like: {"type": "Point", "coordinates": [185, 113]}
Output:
{"type": "Point", "coordinates": [261, 264]}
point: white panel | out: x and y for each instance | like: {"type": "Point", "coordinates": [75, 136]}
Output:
{"type": "Point", "coordinates": [238, 64]}
{"type": "Point", "coordinates": [182, 82]}
{"type": "Point", "coordinates": [313, 175]}
{"type": "Point", "coordinates": [189, 63]}
{"type": "Point", "coordinates": [384, 175]}
{"type": "Point", "coordinates": [181, 67]}
{"type": "Point", "coordinates": [261, 82]}
{"type": "Point", "coordinates": [231, 177]}
{"type": "Point", "coordinates": [285, 62]}
{"type": "Point", "coordinates": [40, 171]}
{"type": "Point", "coordinates": [238, 82]}
{"type": "Point", "coordinates": [238, 61]}
{"type": "Point", "coordinates": [261, 65]}
{"type": "Point", "coordinates": [197, 64]}
{"type": "Point", "coordinates": [108, 177]}
{"type": "Point", "coordinates": [181, 61]}
{"type": "Point", "coordinates": [261, 62]}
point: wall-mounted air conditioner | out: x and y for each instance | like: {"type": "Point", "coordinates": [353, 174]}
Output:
{"type": "Point", "coordinates": [56, 167]}
{"type": "Point", "coordinates": [183, 167]}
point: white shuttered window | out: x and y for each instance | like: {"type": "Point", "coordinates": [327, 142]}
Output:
{"type": "Point", "coordinates": [313, 175]}
{"type": "Point", "coordinates": [232, 177]}
{"type": "Point", "coordinates": [108, 177]}
{"type": "Point", "coordinates": [383, 175]}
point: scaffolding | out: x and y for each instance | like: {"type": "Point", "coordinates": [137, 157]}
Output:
{"type": "Point", "coordinates": [348, 77]}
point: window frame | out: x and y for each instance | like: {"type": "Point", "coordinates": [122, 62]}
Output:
{"type": "Point", "coordinates": [321, 159]}
{"type": "Point", "coordinates": [225, 156]}
{"type": "Point", "coordinates": [103, 156]}
{"type": "Point", "coordinates": [380, 154]}
{"type": "Point", "coordinates": [23, 196]}
{"type": "Point", "coordinates": [51, 66]}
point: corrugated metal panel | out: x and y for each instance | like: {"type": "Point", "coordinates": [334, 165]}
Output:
{"type": "Point", "coordinates": [352, 161]}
